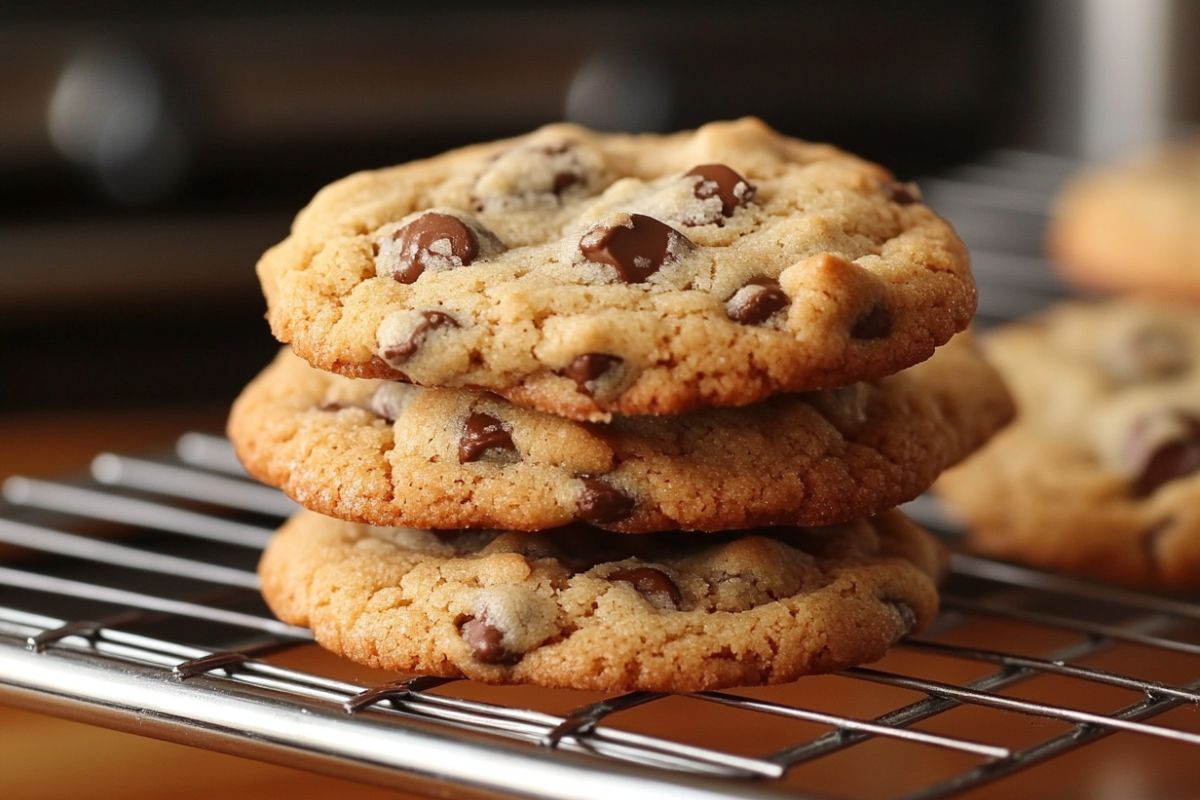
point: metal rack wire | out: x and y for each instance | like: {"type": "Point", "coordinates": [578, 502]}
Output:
{"type": "Point", "coordinates": [156, 627]}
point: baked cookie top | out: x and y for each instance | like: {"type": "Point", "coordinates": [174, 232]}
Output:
{"type": "Point", "coordinates": [1101, 472]}
{"type": "Point", "coordinates": [390, 453]}
{"type": "Point", "coordinates": [582, 273]}
{"type": "Point", "coordinates": [1134, 225]}
{"type": "Point", "coordinates": [587, 609]}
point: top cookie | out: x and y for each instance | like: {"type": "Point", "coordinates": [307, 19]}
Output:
{"type": "Point", "coordinates": [1134, 226]}
{"type": "Point", "coordinates": [583, 274]}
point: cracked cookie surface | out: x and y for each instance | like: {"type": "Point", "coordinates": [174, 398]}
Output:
{"type": "Point", "coordinates": [1133, 225]}
{"type": "Point", "coordinates": [584, 608]}
{"type": "Point", "coordinates": [1100, 474]}
{"type": "Point", "coordinates": [389, 453]}
{"type": "Point", "coordinates": [584, 274]}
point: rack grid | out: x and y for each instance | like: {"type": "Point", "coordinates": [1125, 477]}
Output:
{"type": "Point", "coordinates": [129, 600]}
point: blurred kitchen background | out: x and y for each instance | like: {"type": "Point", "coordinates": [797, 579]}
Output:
{"type": "Point", "coordinates": [149, 154]}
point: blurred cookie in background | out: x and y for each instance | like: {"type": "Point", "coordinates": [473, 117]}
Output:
{"type": "Point", "coordinates": [1100, 475]}
{"type": "Point", "coordinates": [1133, 226]}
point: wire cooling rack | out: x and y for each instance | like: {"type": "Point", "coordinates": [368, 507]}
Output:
{"type": "Point", "coordinates": [160, 631]}
{"type": "Point", "coordinates": [129, 600]}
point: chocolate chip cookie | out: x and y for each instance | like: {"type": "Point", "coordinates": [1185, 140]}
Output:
{"type": "Point", "coordinates": [390, 453]}
{"type": "Point", "coordinates": [583, 274]}
{"type": "Point", "coordinates": [1134, 225]}
{"type": "Point", "coordinates": [1101, 473]}
{"type": "Point", "coordinates": [588, 609]}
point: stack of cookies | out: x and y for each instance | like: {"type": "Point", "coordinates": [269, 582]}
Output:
{"type": "Point", "coordinates": [614, 412]}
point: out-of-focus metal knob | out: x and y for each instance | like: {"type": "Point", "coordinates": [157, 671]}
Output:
{"type": "Point", "coordinates": [620, 91]}
{"type": "Point", "coordinates": [113, 112]}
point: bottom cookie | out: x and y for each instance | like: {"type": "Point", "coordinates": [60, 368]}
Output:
{"type": "Point", "coordinates": [583, 608]}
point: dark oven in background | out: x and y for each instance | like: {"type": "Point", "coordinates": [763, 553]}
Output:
{"type": "Point", "coordinates": [149, 156]}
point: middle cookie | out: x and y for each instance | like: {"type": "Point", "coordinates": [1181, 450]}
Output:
{"type": "Point", "coordinates": [393, 454]}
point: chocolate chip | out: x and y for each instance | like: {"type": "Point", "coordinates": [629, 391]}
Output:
{"type": "Point", "coordinates": [564, 181]}
{"type": "Point", "coordinates": [636, 250]}
{"type": "Point", "coordinates": [875, 324]}
{"type": "Point", "coordinates": [431, 320]}
{"type": "Point", "coordinates": [486, 641]}
{"type": "Point", "coordinates": [433, 240]}
{"type": "Point", "coordinates": [1174, 456]}
{"type": "Point", "coordinates": [571, 168]}
{"type": "Point", "coordinates": [587, 368]}
{"type": "Point", "coordinates": [718, 180]}
{"type": "Point", "coordinates": [483, 432]}
{"type": "Point", "coordinates": [602, 503]}
{"type": "Point", "coordinates": [903, 193]}
{"type": "Point", "coordinates": [651, 583]}
{"type": "Point", "coordinates": [756, 301]}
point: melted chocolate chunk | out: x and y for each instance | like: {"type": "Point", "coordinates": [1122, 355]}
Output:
{"type": "Point", "coordinates": [587, 368]}
{"type": "Point", "coordinates": [636, 250]}
{"type": "Point", "coordinates": [720, 181]}
{"type": "Point", "coordinates": [1175, 458]}
{"type": "Point", "coordinates": [602, 503]}
{"type": "Point", "coordinates": [433, 238]}
{"type": "Point", "coordinates": [482, 432]}
{"type": "Point", "coordinates": [486, 642]}
{"type": "Point", "coordinates": [432, 320]}
{"type": "Point", "coordinates": [903, 193]}
{"type": "Point", "coordinates": [650, 583]}
{"type": "Point", "coordinates": [571, 173]}
{"type": "Point", "coordinates": [875, 324]}
{"type": "Point", "coordinates": [756, 301]}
